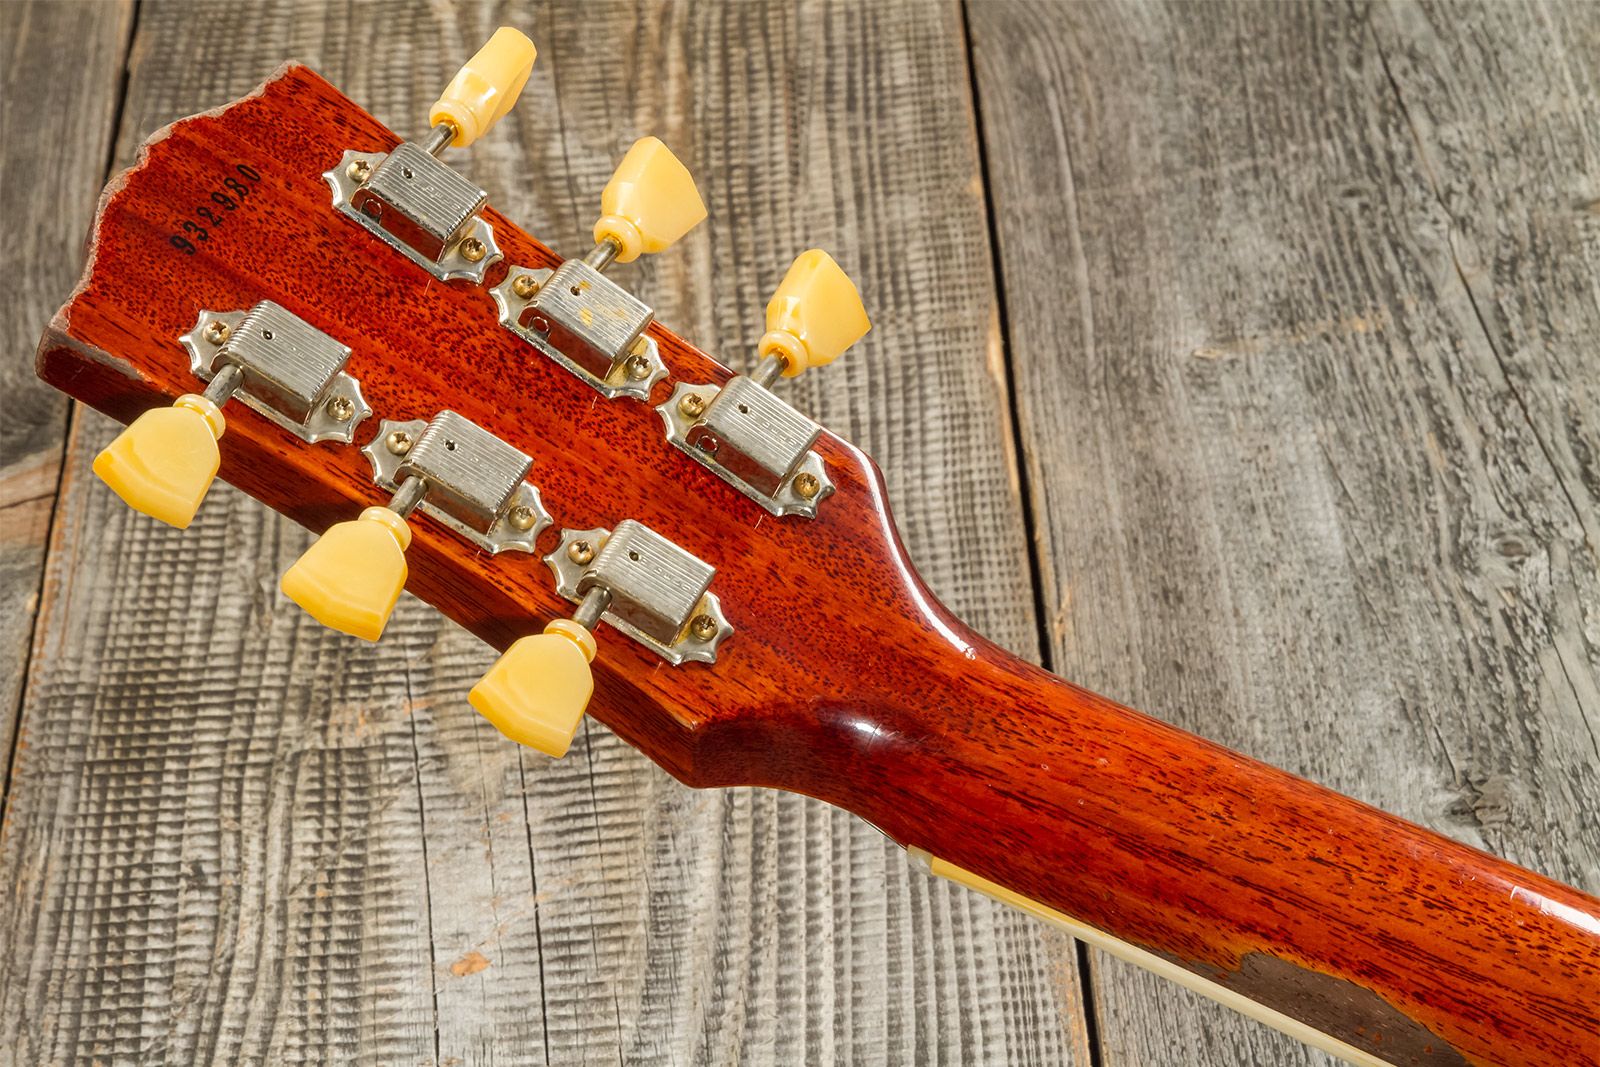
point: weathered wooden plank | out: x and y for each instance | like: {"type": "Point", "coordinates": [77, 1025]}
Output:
{"type": "Point", "coordinates": [214, 828]}
{"type": "Point", "coordinates": [840, 127]}
{"type": "Point", "coordinates": [326, 854]}
{"type": "Point", "coordinates": [1508, 137]}
{"type": "Point", "coordinates": [1312, 473]}
{"type": "Point", "coordinates": [56, 134]}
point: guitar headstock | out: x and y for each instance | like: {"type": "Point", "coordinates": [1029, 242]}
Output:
{"type": "Point", "coordinates": [368, 336]}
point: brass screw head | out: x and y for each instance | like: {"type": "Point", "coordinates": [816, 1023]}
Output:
{"type": "Point", "coordinates": [473, 250]}
{"type": "Point", "coordinates": [638, 367]}
{"type": "Point", "coordinates": [398, 442]}
{"type": "Point", "coordinates": [359, 171]}
{"type": "Point", "coordinates": [521, 517]}
{"type": "Point", "coordinates": [580, 552]}
{"type": "Point", "coordinates": [217, 332]}
{"type": "Point", "coordinates": [807, 485]}
{"type": "Point", "coordinates": [703, 627]}
{"type": "Point", "coordinates": [341, 408]}
{"type": "Point", "coordinates": [692, 405]}
{"type": "Point", "coordinates": [525, 285]}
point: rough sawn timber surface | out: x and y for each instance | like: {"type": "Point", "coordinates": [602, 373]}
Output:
{"type": "Point", "coordinates": [1302, 311]}
{"type": "Point", "coordinates": [55, 141]}
{"type": "Point", "coordinates": [235, 837]}
{"type": "Point", "coordinates": [1301, 308]}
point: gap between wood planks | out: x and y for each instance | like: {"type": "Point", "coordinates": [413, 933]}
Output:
{"type": "Point", "coordinates": [1014, 455]}
{"type": "Point", "coordinates": [113, 129]}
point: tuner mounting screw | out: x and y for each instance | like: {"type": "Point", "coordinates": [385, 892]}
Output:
{"type": "Point", "coordinates": [473, 250]}
{"type": "Point", "coordinates": [341, 408]}
{"type": "Point", "coordinates": [359, 171]}
{"type": "Point", "coordinates": [692, 405]}
{"type": "Point", "coordinates": [806, 485]}
{"type": "Point", "coordinates": [217, 332]}
{"type": "Point", "coordinates": [703, 627]}
{"type": "Point", "coordinates": [398, 442]}
{"type": "Point", "coordinates": [638, 367]}
{"type": "Point", "coordinates": [521, 517]}
{"type": "Point", "coordinates": [580, 552]}
{"type": "Point", "coordinates": [525, 285]}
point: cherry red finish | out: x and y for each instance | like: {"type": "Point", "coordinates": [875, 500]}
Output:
{"type": "Point", "coordinates": [845, 679]}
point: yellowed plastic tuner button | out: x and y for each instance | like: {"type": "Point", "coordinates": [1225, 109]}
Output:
{"type": "Point", "coordinates": [351, 577]}
{"type": "Point", "coordinates": [649, 202]}
{"type": "Point", "coordinates": [164, 462]}
{"type": "Point", "coordinates": [483, 91]}
{"type": "Point", "coordinates": [814, 316]}
{"type": "Point", "coordinates": [536, 693]}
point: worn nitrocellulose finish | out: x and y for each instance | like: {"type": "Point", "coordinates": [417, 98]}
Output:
{"type": "Point", "coordinates": [1267, 883]}
{"type": "Point", "coordinates": [334, 858]}
{"type": "Point", "coordinates": [458, 975]}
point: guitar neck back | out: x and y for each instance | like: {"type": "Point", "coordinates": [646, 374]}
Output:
{"type": "Point", "coordinates": [836, 674]}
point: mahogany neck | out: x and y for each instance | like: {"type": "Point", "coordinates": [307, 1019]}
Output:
{"type": "Point", "coordinates": [845, 679]}
{"type": "Point", "coordinates": [1379, 933]}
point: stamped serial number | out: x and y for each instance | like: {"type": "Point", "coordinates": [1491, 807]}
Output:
{"type": "Point", "coordinates": [236, 188]}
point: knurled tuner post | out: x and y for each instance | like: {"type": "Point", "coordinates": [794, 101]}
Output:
{"type": "Point", "coordinates": [741, 429]}
{"type": "Point", "coordinates": [471, 481]}
{"type": "Point", "coordinates": [272, 361]}
{"type": "Point", "coordinates": [410, 199]}
{"type": "Point", "coordinates": [581, 318]}
{"type": "Point", "coordinates": [593, 605]}
{"type": "Point", "coordinates": [438, 138]}
{"type": "Point", "coordinates": [410, 493]}
{"type": "Point", "coordinates": [226, 382]}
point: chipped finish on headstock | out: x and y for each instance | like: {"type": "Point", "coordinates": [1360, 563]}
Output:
{"type": "Point", "coordinates": [846, 679]}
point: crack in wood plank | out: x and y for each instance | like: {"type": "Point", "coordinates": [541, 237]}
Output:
{"type": "Point", "coordinates": [650, 923]}
{"type": "Point", "coordinates": [1363, 552]}
{"type": "Point", "coordinates": [45, 182]}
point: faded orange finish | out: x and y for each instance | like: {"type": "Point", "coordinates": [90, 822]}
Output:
{"type": "Point", "coordinates": [1384, 934]}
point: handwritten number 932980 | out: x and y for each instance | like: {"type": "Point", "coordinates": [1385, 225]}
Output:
{"type": "Point", "coordinates": [236, 188]}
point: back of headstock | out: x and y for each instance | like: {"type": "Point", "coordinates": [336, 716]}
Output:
{"type": "Point", "coordinates": [834, 672]}
{"type": "Point", "coordinates": [232, 221]}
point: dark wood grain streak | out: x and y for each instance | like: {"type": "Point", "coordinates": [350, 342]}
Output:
{"type": "Point", "coordinates": [760, 100]}
{"type": "Point", "coordinates": [1500, 103]}
{"type": "Point", "coordinates": [938, 737]}
{"type": "Point", "coordinates": [57, 136]}
{"type": "Point", "coordinates": [1310, 290]}
{"type": "Point", "coordinates": [368, 872]}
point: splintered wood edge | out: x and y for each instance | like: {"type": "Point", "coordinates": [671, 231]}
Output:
{"type": "Point", "coordinates": [60, 323]}
{"type": "Point", "coordinates": [709, 756]}
{"type": "Point", "coordinates": [935, 768]}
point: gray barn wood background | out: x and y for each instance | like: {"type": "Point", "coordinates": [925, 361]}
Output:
{"type": "Point", "coordinates": [1239, 362]}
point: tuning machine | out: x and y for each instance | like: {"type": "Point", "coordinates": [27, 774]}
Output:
{"type": "Point", "coordinates": [413, 201]}
{"type": "Point", "coordinates": [579, 317]}
{"type": "Point", "coordinates": [741, 430]}
{"type": "Point", "coordinates": [275, 363]}
{"type": "Point", "coordinates": [458, 472]}
{"type": "Point", "coordinates": [631, 577]}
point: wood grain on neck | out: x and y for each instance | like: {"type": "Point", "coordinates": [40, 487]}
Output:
{"type": "Point", "coordinates": [846, 680]}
